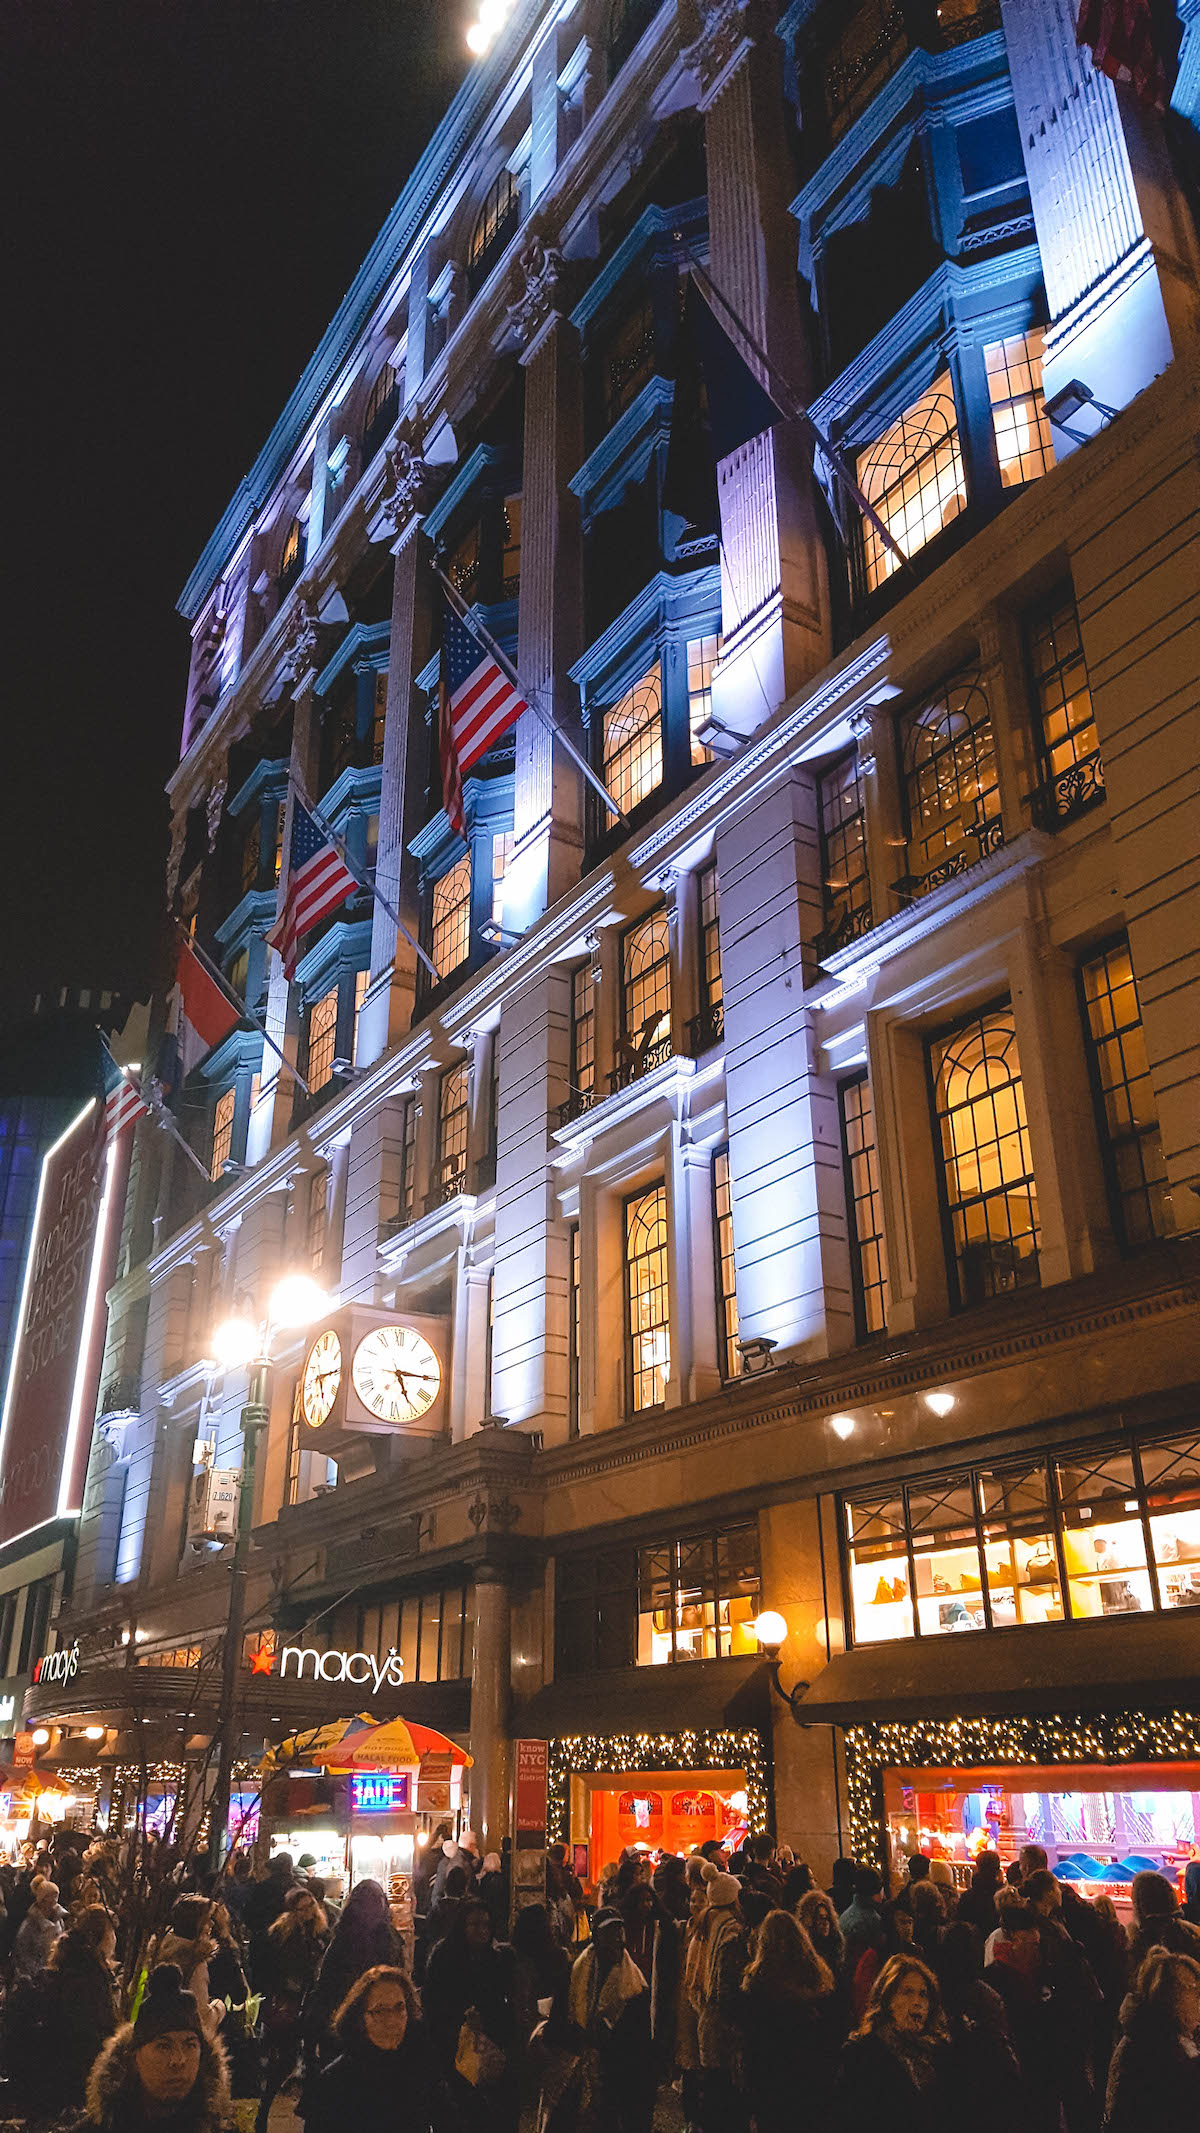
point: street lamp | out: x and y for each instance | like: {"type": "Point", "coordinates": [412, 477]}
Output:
{"type": "Point", "coordinates": [242, 1341]}
{"type": "Point", "coordinates": [771, 1631]}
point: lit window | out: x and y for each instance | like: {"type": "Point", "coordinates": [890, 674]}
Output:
{"type": "Point", "coordinates": [510, 549]}
{"type": "Point", "coordinates": [702, 656]}
{"type": "Point", "coordinates": [730, 1355]}
{"type": "Point", "coordinates": [382, 405]}
{"type": "Point", "coordinates": [408, 1162]}
{"type": "Point", "coordinates": [1104, 1541]}
{"type": "Point", "coordinates": [1121, 1073]}
{"type": "Point", "coordinates": [1171, 1474]}
{"type": "Point", "coordinates": [697, 1598]}
{"type": "Point", "coordinates": [863, 55]}
{"type": "Point", "coordinates": [1070, 744]}
{"type": "Point", "coordinates": [913, 478]}
{"type": "Point", "coordinates": [502, 849]}
{"type": "Point", "coordinates": [453, 1117]}
{"type": "Point", "coordinates": [1020, 1560]}
{"type": "Point", "coordinates": [629, 358]}
{"type": "Point", "coordinates": [645, 995]}
{"type": "Point", "coordinates": [495, 217]}
{"type": "Point", "coordinates": [463, 567]}
{"type": "Point", "coordinates": [379, 716]}
{"type": "Point", "coordinates": [222, 1140]}
{"type": "Point", "coordinates": [277, 863]}
{"type": "Point", "coordinates": [322, 1040]}
{"type": "Point", "coordinates": [291, 559]}
{"type": "Point", "coordinates": [987, 1170]}
{"type": "Point", "coordinates": [583, 1030]}
{"type": "Point", "coordinates": [362, 979]}
{"type": "Point", "coordinates": [846, 886]}
{"type": "Point", "coordinates": [251, 854]}
{"type": "Point", "coordinates": [1024, 445]}
{"type": "Point", "coordinates": [647, 1329]}
{"type": "Point", "coordinates": [633, 742]}
{"type": "Point", "coordinates": [951, 791]}
{"type": "Point", "coordinates": [712, 992]}
{"type": "Point", "coordinates": [864, 1206]}
{"type": "Point", "coordinates": [318, 1214]}
{"type": "Point", "coordinates": [450, 940]}
{"type": "Point", "coordinates": [573, 1328]}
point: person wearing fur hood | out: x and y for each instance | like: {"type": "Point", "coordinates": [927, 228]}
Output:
{"type": "Point", "coordinates": [162, 2073]}
{"type": "Point", "coordinates": [188, 1944]}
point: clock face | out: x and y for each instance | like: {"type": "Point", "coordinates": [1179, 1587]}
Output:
{"type": "Point", "coordinates": [396, 1374]}
{"type": "Point", "coordinates": [322, 1376]}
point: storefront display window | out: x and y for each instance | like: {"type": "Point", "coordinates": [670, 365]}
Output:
{"type": "Point", "coordinates": [1098, 1533]}
{"type": "Point", "coordinates": [688, 1598]}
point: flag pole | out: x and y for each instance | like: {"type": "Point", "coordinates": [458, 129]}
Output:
{"type": "Point", "coordinates": [218, 977]}
{"type": "Point", "coordinates": [364, 880]}
{"type": "Point", "coordinates": [795, 410]}
{"type": "Point", "coordinates": [156, 1109]}
{"type": "Point", "coordinates": [507, 668]}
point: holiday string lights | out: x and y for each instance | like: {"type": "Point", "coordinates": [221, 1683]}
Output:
{"type": "Point", "coordinates": [573, 1754]}
{"type": "Point", "coordinates": [965, 1743]}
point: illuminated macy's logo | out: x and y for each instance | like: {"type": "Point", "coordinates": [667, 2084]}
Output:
{"type": "Point", "coordinates": [302, 1662]}
{"type": "Point", "coordinates": [58, 1666]}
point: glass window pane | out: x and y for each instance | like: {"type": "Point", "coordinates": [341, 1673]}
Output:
{"type": "Point", "coordinates": [864, 1199]}
{"type": "Point", "coordinates": [951, 786]}
{"type": "Point", "coordinates": [450, 938]}
{"type": "Point", "coordinates": [431, 1622]}
{"type": "Point", "coordinates": [946, 1555]}
{"type": "Point", "coordinates": [1018, 1546]}
{"type": "Point", "coordinates": [1171, 1473]}
{"type": "Point", "coordinates": [1129, 1113]}
{"type": "Point", "coordinates": [913, 476]}
{"type": "Point", "coordinates": [1024, 444]}
{"type": "Point", "coordinates": [647, 1329]}
{"type": "Point", "coordinates": [987, 1172]}
{"type": "Point", "coordinates": [409, 1618]}
{"type": "Point", "coordinates": [881, 1603]}
{"type": "Point", "coordinates": [633, 757]}
{"type": "Point", "coordinates": [1102, 1536]}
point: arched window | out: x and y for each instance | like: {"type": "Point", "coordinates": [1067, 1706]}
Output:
{"type": "Point", "coordinates": [633, 742]}
{"type": "Point", "coordinates": [950, 786]}
{"type": "Point", "coordinates": [494, 225]}
{"type": "Point", "coordinates": [987, 1168]}
{"type": "Point", "coordinates": [383, 405]}
{"type": "Point", "coordinates": [291, 556]}
{"type": "Point", "coordinates": [450, 935]}
{"type": "Point", "coordinates": [645, 1037]}
{"type": "Point", "coordinates": [222, 1140]}
{"type": "Point", "coordinates": [913, 476]}
{"type": "Point", "coordinates": [647, 1300]}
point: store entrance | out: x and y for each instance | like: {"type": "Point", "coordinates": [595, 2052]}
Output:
{"type": "Point", "coordinates": [653, 1811]}
{"type": "Point", "coordinates": [1099, 1824]}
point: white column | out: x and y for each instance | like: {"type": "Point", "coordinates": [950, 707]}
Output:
{"type": "Point", "coordinates": [530, 1331]}
{"type": "Point", "coordinates": [388, 1003]}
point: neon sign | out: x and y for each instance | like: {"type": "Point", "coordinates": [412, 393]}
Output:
{"type": "Point", "coordinates": [373, 1792]}
{"type": "Point", "coordinates": [301, 1662]}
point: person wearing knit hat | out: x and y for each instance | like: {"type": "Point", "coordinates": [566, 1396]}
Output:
{"type": "Point", "coordinates": [163, 2069]}
{"type": "Point", "coordinates": [716, 1960]}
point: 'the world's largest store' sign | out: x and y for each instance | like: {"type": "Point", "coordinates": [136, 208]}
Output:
{"type": "Point", "coordinates": [50, 1399]}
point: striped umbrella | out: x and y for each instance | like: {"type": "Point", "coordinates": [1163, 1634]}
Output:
{"type": "Point", "coordinates": [361, 1744]}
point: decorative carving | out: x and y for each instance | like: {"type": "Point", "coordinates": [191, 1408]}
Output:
{"type": "Point", "coordinates": [477, 1511]}
{"type": "Point", "coordinates": [541, 271]}
{"type": "Point", "coordinates": [717, 37]}
{"type": "Point", "coordinates": [299, 652]}
{"type": "Point", "coordinates": [214, 805]}
{"type": "Point", "coordinates": [175, 856]}
{"type": "Point", "coordinates": [863, 725]}
{"type": "Point", "coordinates": [504, 1513]}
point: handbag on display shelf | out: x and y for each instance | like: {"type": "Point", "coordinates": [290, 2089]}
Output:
{"type": "Point", "coordinates": [1041, 1569]}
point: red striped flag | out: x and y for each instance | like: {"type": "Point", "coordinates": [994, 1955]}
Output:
{"type": "Point", "coordinates": [123, 1105]}
{"type": "Point", "coordinates": [476, 704]}
{"type": "Point", "coordinates": [318, 881]}
{"type": "Point", "coordinates": [1126, 45]}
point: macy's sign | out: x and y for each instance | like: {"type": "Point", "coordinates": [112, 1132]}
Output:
{"type": "Point", "coordinates": [58, 1666]}
{"type": "Point", "coordinates": [301, 1662]}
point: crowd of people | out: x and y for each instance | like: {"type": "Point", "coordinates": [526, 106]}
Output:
{"type": "Point", "coordinates": [765, 2003]}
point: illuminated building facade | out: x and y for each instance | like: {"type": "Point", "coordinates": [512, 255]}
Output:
{"type": "Point", "coordinates": [798, 1186]}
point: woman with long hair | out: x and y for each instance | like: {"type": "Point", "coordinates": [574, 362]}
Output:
{"type": "Point", "coordinates": [790, 2038]}
{"type": "Point", "coordinates": [293, 1952]}
{"type": "Point", "coordinates": [1154, 2079]}
{"type": "Point", "coordinates": [469, 2000]}
{"type": "Point", "coordinates": [893, 2071]}
{"type": "Point", "coordinates": [363, 1938]}
{"type": "Point", "coordinates": [80, 2012]}
{"type": "Point", "coordinates": [380, 2080]}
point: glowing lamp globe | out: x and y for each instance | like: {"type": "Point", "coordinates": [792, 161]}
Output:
{"type": "Point", "coordinates": [770, 1629]}
{"type": "Point", "coordinates": [235, 1342]}
{"type": "Point", "coordinates": [297, 1300]}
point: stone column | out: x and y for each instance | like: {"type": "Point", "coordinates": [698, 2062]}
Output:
{"type": "Point", "coordinates": [774, 596]}
{"type": "Point", "coordinates": [491, 1678]}
{"type": "Point", "coordinates": [1004, 686]}
{"type": "Point", "coordinates": [530, 1331]}
{"type": "Point", "coordinates": [271, 1119]}
{"type": "Point", "coordinates": [1117, 248]}
{"type": "Point", "coordinates": [372, 1167]}
{"type": "Point", "coordinates": [875, 741]}
{"type": "Point", "coordinates": [547, 804]}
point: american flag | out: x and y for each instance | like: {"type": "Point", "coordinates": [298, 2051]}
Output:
{"type": "Point", "coordinates": [476, 704]}
{"type": "Point", "coordinates": [317, 882]}
{"type": "Point", "coordinates": [1126, 43]}
{"type": "Point", "coordinates": [123, 1105]}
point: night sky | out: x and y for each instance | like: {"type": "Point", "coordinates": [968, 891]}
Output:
{"type": "Point", "coordinates": [191, 187]}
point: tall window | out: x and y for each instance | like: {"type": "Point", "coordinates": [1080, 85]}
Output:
{"type": "Point", "coordinates": [645, 1039]}
{"type": "Point", "coordinates": [687, 1596]}
{"type": "Point", "coordinates": [362, 979]}
{"type": "Point", "coordinates": [864, 1207]}
{"type": "Point", "coordinates": [987, 1177]}
{"type": "Point", "coordinates": [864, 54]}
{"type": "Point", "coordinates": [433, 1632]}
{"type": "Point", "coordinates": [322, 1040]}
{"type": "Point", "coordinates": [702, 656]}
{"type": "Point", "coordinates": [913, 477]}
{"type": "Point", "coordinates": [629, 357]}
{"type": "Point", "coordinates": [222, 1139]}
{"type": "Point", "coordinates": [633, 742]}
{"type": "Point", "coordinates": [647, 1330]}
{"type": "Point", "coordinates": [583, 1035]}
{"type": "Point", "coordinates": [463, 567]}
{"type": "Point", "coordinates": [494, 223]}
{"type": "Point", "coordinates": [408, 1163]}
{"type": "Point", "coordinates": [731, 1358]}
{"type": "Point", "coordinates": [450, 936]}
{"type": "Point", "coordinates": [291, 1486]}
{"type": "Point", "coordinates": [573, 1331]}
{"type": "Point", "coordinates": [318, 1218]}
{"type": "Point", "coordinates": [711, 1021]}
{"type": "Point", "coordinates": [1125, 1094]}
{"type": "Point", "coordinates": [1024, 445]}
{"type": "Point", "coordinates": [251, 854]}
{"type": "Point", "coordinates": [502, 847]}
{"type": "Point", "coordinates": [510, 548]}
{"type": "Point", "coordinates": [846, 886]}
{"type": "Point", "coordinates": [291, 558]}
{"type": "Point", "coordinates": [379, 716]}
{"type": "Point", "coordinates": [35, 1627]}
{"type": "Point", "coordinates": [951, 789]}
{"type": "Point", "coordinates": [626, 24]}
{"type": "Point", "coordinates": [1070, 745]}
{"type": "Point", "coordinates": [382, 408]}
{"type": "Point", "coordinates": [453, 1116]}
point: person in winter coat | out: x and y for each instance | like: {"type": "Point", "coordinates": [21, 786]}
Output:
{"type": "Point", "coordinates": [862, 1921]}
{"type": "Point", "coordinates": [977, 1905]}
{"type": "Point", "coordinates": [82, 2007]}
{"type": "Point", "coordinates": [289, 1969]}
{"type": "Point", "coordinates": [39, 1929]}
{"type": "Point", "coordinates": [1154, 2080]}
{"type": "Point", "coordinates": [983, 2064]}
{"type": "Point", "coordinates": [263, 1904]}
{"type": "Point", "coordinates": [226, 1969]}
{"type": "Point", "coordinates": [609, 2007]}
{"type": "Point", "coordinates": [469, 2002]}
{"type": "Point", "coordinates": [188, 1944]}
{"type": "Point", "coordinates": [162, 2070]}
{"type": "Point", "coordinates": [716, 1962]}
{"type": "Point", "coordinates": [789, 2027]}
{"type": "Point", "coordinates": [1157, 1923]}
{"type": "Point", "coordinates": [1191, 1892]}
{"type": "Point", "coordinates": [1042, 2019]}
{"type": "Point", "coordinates": [363, 1938]}
{"type": "Point", "coordinates": [541, 1971]}
{"type": "Point", "coordinates": [894, 2069]}
{"type": "Point", "coordinates": [380, 2081]}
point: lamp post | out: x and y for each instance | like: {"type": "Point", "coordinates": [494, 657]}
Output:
{"type": "Point", "coordinates": [295, 1302]}
{"type": "Point", "coordinates": [771, 1630]}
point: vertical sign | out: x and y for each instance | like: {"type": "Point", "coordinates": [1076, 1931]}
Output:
{"type": "Point", "coordinates": [46, 1430]}
{"type": "Point", "coordinates": [532, 1761]}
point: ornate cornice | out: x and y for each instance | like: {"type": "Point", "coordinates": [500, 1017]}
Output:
{"type": "Point", "coordinates": [717, 37]}
{"type": "Point", "coordinates": [539, 298]}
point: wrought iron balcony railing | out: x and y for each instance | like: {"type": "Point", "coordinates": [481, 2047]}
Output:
{"type": "Point", "coordinates": [639, 1058]}
{"type": "Point", "coordinates": [707, 1028]}
{"type": "Point", "coordinates": [846, 925]}
{"type": "Point", "coordinates": [1061, 799]}
{"type": "Point", "coordinates": [982, 838]}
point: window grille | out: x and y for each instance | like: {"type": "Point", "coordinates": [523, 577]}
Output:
{"type": "Point", "coordinates": [633, 742]}
{"type": "Point", "coordinates": [731, 1358]}
{"type": "Point", "coordinates": [988, 1186]}
{"type": "Point", "coordinates": [647, 1329]}
{"type": "Point", "coordinates": [318, 1216]}
{"type": "Point", "coordinates": [702, 656]}
{"type": "Point", "coordinates": [1128, 1112]}
{"type": "Point", "coordinates": [453, 1120]}
{"type": "Point", "coordinates": [951, 788]}
{"type": "Point", "coordinates": [864, 1207]}
{"type": "Point", "coordinates": [322, 1040]}
{"type": "Point", "coordinates": [913, 477]}
{"type": "Point", "coordinates": [583, 1037]}
{"type": "Point", "coordinates": [222, 1139]}
{"type": "Point", "coordinates": [450, 939]}
{"type": "Point", "coordinates": [846, 885]}
{"type": "Point", "coordinates": [645, 997]}
{"type": "Point", "coordinates": [710, 1022]}
{"type": "Point", "coordinates": [252, 854]}
{"type": "Point", "coordinates": [494, 224]}
{"type": "Point", "coordinates": [574, 1330]}
{"type": "Point", "coordinates": [1024, 446]}
{"type": "Point", "coordinates": [1070, 744]}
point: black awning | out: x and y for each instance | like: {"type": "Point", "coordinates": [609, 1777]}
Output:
{"type": "Point", "coordinates": [698, 1697]}
{"type": "Point", "coordinates": [1151, 1662]}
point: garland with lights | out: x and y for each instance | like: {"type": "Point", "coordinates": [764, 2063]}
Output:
{"type": "Point", "coordinates": [574, 1753]}
{"type": "Point", "coordinates": [962, 1743]}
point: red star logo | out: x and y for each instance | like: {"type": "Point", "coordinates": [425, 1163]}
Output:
{"type": "Point", "coordinates": [261, 1661]}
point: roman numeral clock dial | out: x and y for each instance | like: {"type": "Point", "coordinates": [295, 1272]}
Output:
{"type": "Point", "coordinates": [396, 1373]}
{"type": "Point", "coordinates": [322, 1376]}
